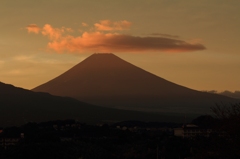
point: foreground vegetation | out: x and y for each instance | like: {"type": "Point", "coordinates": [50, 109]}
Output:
{"type": "Point", "coordinates": [125, 140]}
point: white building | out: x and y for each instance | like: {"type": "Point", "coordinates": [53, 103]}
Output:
{"type": "Point", "coordinates": [191, 130]}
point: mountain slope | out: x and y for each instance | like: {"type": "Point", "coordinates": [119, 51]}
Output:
{"type": "Point", "coordinates": [19, 106]}
{"type": "Point", "coordinates": [107, 80]}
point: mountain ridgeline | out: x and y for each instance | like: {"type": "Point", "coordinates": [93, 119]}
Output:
{"type": "Point", "coordinates": [107, 80]}
{"type": "Point", "coordinates": [19, 106]}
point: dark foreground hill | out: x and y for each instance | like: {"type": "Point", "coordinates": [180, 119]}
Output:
{"type": "Point", "coordinates": [107, 80]}
{"type": "Point", "coordinates": [19, 106]}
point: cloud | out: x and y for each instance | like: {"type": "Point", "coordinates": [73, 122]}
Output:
{"type": "Point", "coordinates": [98, 40]}
{"type": "Point", "coordinates": [23, 58]}
{"type": "Point", "coordinates": [84, 24]}
{"type": "Point", "coordinates": [110, 42]}
{"type": "Point", "coordinates": [33, 28]}
{"type": "Point", "coordinates": [54, 33]}
{"type": "Point", "coordinates": [235, 94]}
{"type": "Point", "coordinates": [164, 35]}
{"type": "Point", "coordinates": [107, 25]}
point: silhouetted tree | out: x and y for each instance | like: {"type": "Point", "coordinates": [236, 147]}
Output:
{"type": "Point", "coordinates": [229, 117]}
{"type": "Point", "coordinates": [205, 121]}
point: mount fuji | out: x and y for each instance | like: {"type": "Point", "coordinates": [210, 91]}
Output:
{"type": "Point", "coordinates": [107, 80]}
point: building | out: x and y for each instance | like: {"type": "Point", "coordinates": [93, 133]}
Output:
{"type": "Point", "coordinates": [6, 141]}
{"type": "Point", "coordinates": [191, 131]}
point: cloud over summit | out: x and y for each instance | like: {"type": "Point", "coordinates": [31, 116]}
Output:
{"type": "Point", "coordinates": [106, 37]}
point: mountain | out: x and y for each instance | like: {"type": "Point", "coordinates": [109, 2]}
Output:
{"type": "Point", "coordinates": [107, 80]}
{"type": "Point", "coordinates": [19, 106]}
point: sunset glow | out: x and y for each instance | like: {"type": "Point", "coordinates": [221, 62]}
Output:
{"type": "Point", "coordinates": [97, 41]}
{"type": "Point", "coordinates": [192, 43]}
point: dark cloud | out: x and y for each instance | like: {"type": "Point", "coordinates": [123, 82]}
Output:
{"type": "Point", "coordinates": [134, 43]}
{"type": "Point", "coordinates": [164, 35]}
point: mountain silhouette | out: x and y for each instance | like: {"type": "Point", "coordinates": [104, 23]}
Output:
{"type": "Point", "coordinates": [107, 80]}
{"type": "Point", "coordinates": [19, 106]}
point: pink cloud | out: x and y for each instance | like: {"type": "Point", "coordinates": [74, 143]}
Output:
{"type": "Point", "coordinates": [107, 25]}
{"type": "Point", "coordinates": [98, 41]}
{"type": "Point", "coordinates": [33, 28]}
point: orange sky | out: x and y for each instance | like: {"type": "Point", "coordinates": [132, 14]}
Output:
{"type": "Point", "coordinates": [192, 43]}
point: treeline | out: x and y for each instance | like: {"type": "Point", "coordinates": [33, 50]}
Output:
{"type": "Point", "coordinates": [71, 139]}
{"type": "Point", "coordinates": [126, 140]}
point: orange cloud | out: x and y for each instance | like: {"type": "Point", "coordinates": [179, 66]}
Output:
{"type": "Point", "coordinates": [54, 33]}
{"type": "Point", "coordinates": [33, 28]}
{"type": "Point", "coordinates": [99, 41]}
{"type": "Point", "coordinates": [107, 25]}
{"type": "Point", "coordinates": [84, 24]}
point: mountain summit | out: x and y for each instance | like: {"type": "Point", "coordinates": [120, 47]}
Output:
{"type": "Point", "coordinates": [107, 80]}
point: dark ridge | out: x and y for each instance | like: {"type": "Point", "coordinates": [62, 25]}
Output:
{"type": "Point", "coordinates": [19, 106]}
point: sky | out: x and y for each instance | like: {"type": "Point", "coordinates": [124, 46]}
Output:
{"type": "Point", "coordinates": [189, 42]}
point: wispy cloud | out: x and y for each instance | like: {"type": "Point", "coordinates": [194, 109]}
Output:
{"type": "Point", "coordinates": [27, 64]}
{"type": "Point", "coordinates": [107, 25]}
{"type": "Point", "coordinates": [84, 24]}
{"type": "Point", "coordinates": [104, 38]}
{"type": "Point", "coordinates": [164, 35]}
{"type": "Point", "coordinates": [33, 28]}
{"type": "Point", "coordinates": [235, 94]}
